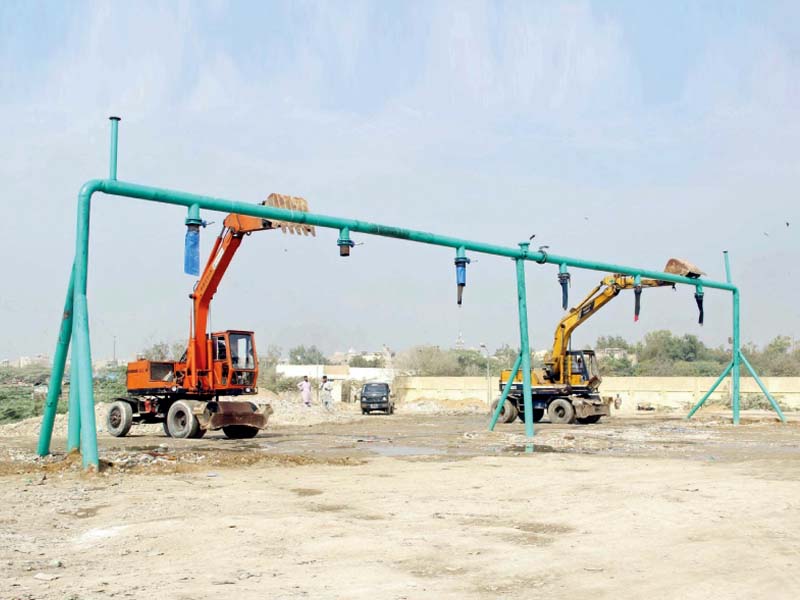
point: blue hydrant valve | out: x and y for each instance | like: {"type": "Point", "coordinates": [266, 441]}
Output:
{"type": "Point", "coordinates": [191, 244]}
{"type": "Point", "coordinates": [698, 297]}
{"type": "Point", "coordinates": [563, 279]}
{"type": "Point", "coordinates": [461, 263]}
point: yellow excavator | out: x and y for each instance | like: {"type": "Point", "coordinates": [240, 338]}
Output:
{"type": "Point", "coordinates": [567, 387]}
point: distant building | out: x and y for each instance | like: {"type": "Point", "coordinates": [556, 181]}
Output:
{"type": "Point", "coordinates": [344, 358]}
{"type": "Point", "coordinates": [41, 360]}
{"type": "Point", "coordinates": [616, 354]}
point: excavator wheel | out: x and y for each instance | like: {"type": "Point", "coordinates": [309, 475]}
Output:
{"type": "Point", "coordinates": [181, 421]}
{"type": "Point", "coordinates": [166, 428]}
{"type": "Point", "coordinates": [538, 414]}
{"type": "Point", "coordinates": [240, 432]}
{"type": "Point", "coordinates": [509, 412]}
{"type": "Point", "coordinates": [561, 412]}
{"type": "Point", "coordinates": [200, 433]}
{"type": "Point", "coordinates": [119, 418]}
{"type": "Point", "coordinates": [589, 420]}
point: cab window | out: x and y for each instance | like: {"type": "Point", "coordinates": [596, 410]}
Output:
{"type": "Point", "coordinates": [242, 351]}
{"type": "Point", "coordinates": [577, 366]}
{"type": "Point", "coordinates": [220, 350]}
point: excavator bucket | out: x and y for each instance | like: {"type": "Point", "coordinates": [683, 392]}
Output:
{"type": "Point", "coordinates": [290, 203]}
{"type": "Point", "coordinates": [678, 266]}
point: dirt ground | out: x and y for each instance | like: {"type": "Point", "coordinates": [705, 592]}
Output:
{"type": "Point", "coordinates": [411, 506]}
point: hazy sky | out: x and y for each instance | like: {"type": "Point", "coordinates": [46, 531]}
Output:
{"type": "Point", "coordinates": [627, 132]}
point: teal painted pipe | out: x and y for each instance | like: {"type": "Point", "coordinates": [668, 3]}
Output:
{"type": "Point", "coordinates": [504, 395]}
{"type": "Point", "coordinates": [74, 414]}
{"type": "Point", "coordinates": [524, 343]}
{"type": "Point", "coordinates": [710, 391]}
{"type": "Point", "coordinates": [131, 190]}
{"type": "Point", "coordinates": [83, 351]}
{"type": "Point", "coordinates": [763, 387]}
{"type": "Point", "coordinates": [736, 358]}
{"type": "Point", "coordinates": [112, 163]}
{"type": "Point", "coordinates": [57, 373]}
{"type": "Point", "coordinates": [736, 343]}
{"type": "Point", "coordinates": [736, 349]}
{"type": "Point", "coordinates": [727, 267]}
{"type": "Point", "coordinates": [81, 346]}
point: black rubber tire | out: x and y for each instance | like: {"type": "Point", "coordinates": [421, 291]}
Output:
{"type": "Point", "coordinates": [240, 432]}
{"type": "Point", "coordinates": [390, 410]}
{"type": "Point", "coordinates": [509, 412]}
{"type": "Point", "coordinates": [166, 428]}
{"type": "Point", "coordinates": [512, 412]}
{"type": "Point", "coordinates": [119, 418]}
{"type": "Point", "coordinates": [181, 422]}
{"type": "Point", "coordinates": [561, 412]}
{"type": "Point", "coordinates": [364, 412]}
{"type": "Point", "coordinates": [588, 420]}
{"type": "Point", "coordinates": [538, 415]}
{"type": "Point", "coordinates": [200, 433]}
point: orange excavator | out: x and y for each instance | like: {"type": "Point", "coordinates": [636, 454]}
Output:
{"type": "Point", "coordinates": [191, 396]}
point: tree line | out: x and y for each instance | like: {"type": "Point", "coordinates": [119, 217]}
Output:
{"type": "Point", "coordinates": [661, 354]}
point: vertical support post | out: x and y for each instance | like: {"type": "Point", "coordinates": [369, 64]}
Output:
{"type": "Point", "coordinates": [504, 395]}
{"type": "Point", "coordinates": [81, 350]}
{"type": "Point", "coordinates": [112, 165]}
{"type": "Point", "coordinates": [737, 354]}
{"type": "Point", "coordinates": [524, 342]}
{"type": "Point", "coordinates": [74, 412]}
{"type": "Point", "coordinates": [736, 344]}
{"type": "Point", "coordinates": [488, 381]}
{"type": "Point", "coordinates": [57, 373]}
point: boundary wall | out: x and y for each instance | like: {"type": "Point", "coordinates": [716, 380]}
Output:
{"type": "Point", "coordinates": [638, 394]}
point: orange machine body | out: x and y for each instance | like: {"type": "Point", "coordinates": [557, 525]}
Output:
{"type": "Point", "coordinates": [217, 364]}
{"type": "Point", "coordinates": [231, 371]}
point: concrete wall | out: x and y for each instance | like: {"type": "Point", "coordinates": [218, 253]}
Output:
{"type": "Point", "coordinates": [660, 393]}
{"type": "Point", "coordinates": [440, 389]}
{"type": "Point", "coordinates": [335, 372]}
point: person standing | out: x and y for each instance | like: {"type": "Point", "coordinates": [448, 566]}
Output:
{"type": "Point", "coordinates": [305, 390]}
{"type": "Point", "coordinates": [326, 387]}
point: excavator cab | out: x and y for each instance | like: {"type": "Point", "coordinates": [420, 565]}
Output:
{"type": "Point", "coordinates": [583, 370]}
{"type": "Point", "coordinates": [235, 362]}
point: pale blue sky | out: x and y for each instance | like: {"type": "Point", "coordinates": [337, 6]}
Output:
{"type": "Point", "coordinates": [622, 131]}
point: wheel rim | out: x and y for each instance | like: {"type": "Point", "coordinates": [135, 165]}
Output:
{"type": "Point", "coordinates": [181, 420]}
{"type": "Point", "coordinates": [115, 418]}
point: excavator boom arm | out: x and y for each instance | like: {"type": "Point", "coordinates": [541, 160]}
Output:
{"type": "Point", "coordinates": [601, 295]}
{"type": "Point", "coordinates": [235, 227]}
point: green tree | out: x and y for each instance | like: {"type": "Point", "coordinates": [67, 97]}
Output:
{"type": "Point", "coordinates": [311, 355]}
{"type": "Point", "coordinates": [611, 341]}
{"type": "Point", "coordinates": [158, 351]}
{"type": "Point", "coordinates": [429, 361]}
{"type": "Point", "coordinates": [272, 356]}
{"type": "Point", "coordinates": [360, 361]}
{"type": "Point", "coordinates": [617, 367]}
{"type": "Point", "coordinates": [506, 356]}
